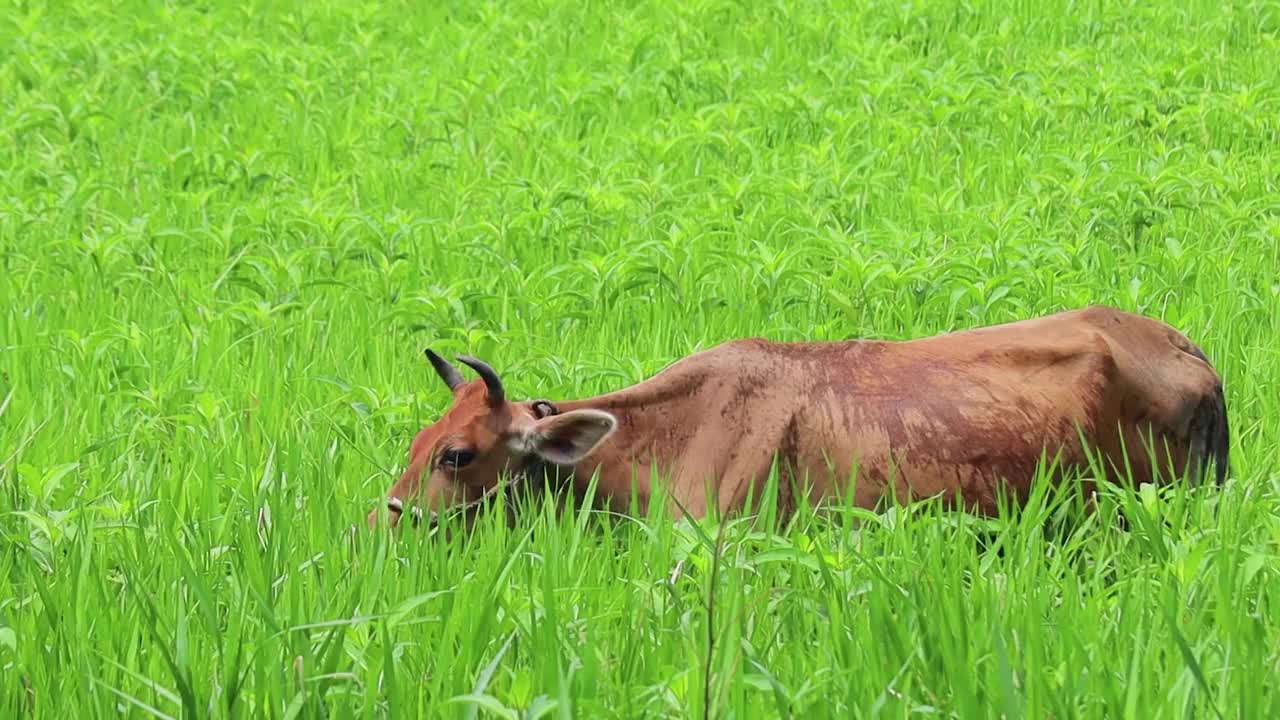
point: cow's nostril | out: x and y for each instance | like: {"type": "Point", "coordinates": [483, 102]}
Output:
{"type": "Point", "coordinates": [395, 506]}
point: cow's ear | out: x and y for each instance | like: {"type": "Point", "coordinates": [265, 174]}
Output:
{"type": "Point", "coordinates": [568, 438]}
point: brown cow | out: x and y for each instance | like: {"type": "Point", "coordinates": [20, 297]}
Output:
{"type": "Point", "coordinates": [957, 415]}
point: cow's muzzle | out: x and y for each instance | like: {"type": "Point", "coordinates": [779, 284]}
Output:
{"type": "Point", "coordinates": [396, 506]}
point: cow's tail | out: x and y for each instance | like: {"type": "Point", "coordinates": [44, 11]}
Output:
{"type": "Point", "coordinates": [1210, 433]}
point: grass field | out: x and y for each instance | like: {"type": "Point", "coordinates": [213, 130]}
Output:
{"type": "Point", "coordinates": [228, 230]}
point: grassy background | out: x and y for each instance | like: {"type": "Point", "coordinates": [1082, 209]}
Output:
{"type": "Point", "coordinates": [227, 230]}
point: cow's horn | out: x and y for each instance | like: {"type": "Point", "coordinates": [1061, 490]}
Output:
{"type": "Point", "coordinates": [497, 395]}
{"type": "Point", "coordinates": [447, 372]}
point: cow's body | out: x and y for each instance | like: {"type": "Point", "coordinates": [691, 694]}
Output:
{"type": "Point", "coordinates": [956, 415]}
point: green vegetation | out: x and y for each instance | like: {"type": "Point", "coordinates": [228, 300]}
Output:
{"type": "Point", "coordinates": [228, 230]}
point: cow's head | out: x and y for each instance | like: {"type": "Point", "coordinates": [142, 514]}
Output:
{"type": "Point", "coordinates": [482, 438]}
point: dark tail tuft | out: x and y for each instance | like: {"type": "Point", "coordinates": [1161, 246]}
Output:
{"type": "Point", "coordinates": [1210, 434]}
{"type": "Point", "coordinates": [1220, 440]}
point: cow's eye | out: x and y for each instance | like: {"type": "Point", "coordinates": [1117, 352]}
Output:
{"type": "Point", "coordinates": [454, 458]}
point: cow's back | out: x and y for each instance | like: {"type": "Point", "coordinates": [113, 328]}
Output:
{"type": "Point", "coordinates": [963, 413]}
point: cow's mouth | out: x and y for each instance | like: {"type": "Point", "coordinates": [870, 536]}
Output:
{"type": "Point", "coordinates": [396, 506]}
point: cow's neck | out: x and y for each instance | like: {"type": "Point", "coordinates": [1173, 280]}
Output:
{"type": "Point", "coordinates": [650, 435]}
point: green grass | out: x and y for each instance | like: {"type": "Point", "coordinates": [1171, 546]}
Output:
{"type": "Point", "coordinates": [227, 231]}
